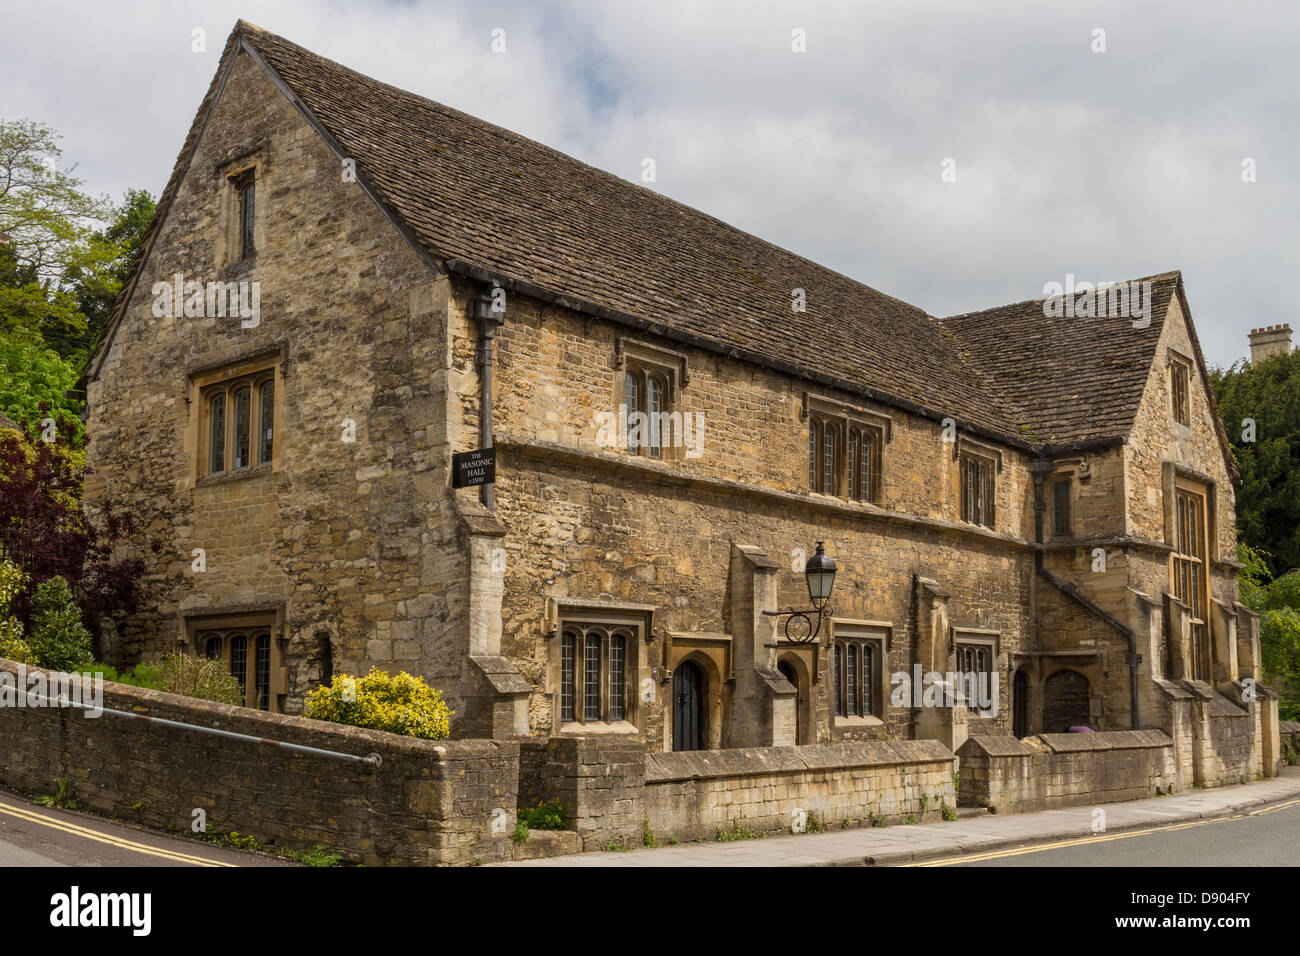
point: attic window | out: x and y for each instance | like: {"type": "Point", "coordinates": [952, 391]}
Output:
{"type": "Point", "coordinates": [246, 187]}
{"type": "Point", "coordinates": [1178, 377]}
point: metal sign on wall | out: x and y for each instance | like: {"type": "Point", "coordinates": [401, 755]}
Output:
{"type": "Point", "coordinates": [470, 468]}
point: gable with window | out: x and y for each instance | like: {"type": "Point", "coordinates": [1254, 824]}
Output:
{"type": "Point", "coordinates": [236, 411]}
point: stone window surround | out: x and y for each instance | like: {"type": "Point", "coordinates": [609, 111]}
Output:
{"type": "Point", "coordinates": [1063, 478]}
{"type": "Point", "coordinates": [1185, 483]}
{"type": "Point", "coordinates": [632, 356]}
{"type": "Point", "coordinates": [984, 637]}
{"type": "Point", "coordinates": [1180, 364]}
{"type": "Point", "coordinates": [963, 450]}
{"type": "Point", "coordinates": [636, 618]}
{"type": "Point", "coordinates": [879, 634]}
{"type": "Point", "coordinates": [209, 379]}
{"type": "Point", "coordinates": [270, 616]}
{"type": "Point", "coordinates": [232, 174]}
{"type": "Point", "coordinates": [818, 411]}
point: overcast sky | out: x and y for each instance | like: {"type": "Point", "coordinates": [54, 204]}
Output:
{"type": "Point", "coordinates": [1108, 165]}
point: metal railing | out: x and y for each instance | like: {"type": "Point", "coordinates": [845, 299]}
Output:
{"type": "Point", "coordinates": [371, 760]}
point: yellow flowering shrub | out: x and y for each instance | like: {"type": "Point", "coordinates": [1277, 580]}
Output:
{"type": "Point", "coordinates": [399, 704]}
{"type": "Point", "coordinates": [12, 644]}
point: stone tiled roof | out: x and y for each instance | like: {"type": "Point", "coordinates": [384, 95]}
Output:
{"type": "Point", "coordinates": [475, 192]}
{"type": "Point", "coordinates": [1073, 379]}
{"type": "Point", "coordinates": [7, 422]}
{"type": "Point", "coordinates": [480, 198]}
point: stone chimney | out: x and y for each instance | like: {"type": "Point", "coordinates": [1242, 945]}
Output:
{"type": "Point", "coordinates": [1269, 341]}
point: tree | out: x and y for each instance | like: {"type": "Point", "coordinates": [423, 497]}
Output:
{"type": "Point", "coordinates": [1267, 397]}
{"type": "Point", "coordinates": [33, 383]}
{"type": "Point", "coordinates": [44, 531]}
{"type": "Point", "coordinates": [1277, 602]}
{"type": "Point", "coordinates": [97, 281]}
{"type": "Point", "coordinates": [63, 255]}
{"type": "Point", "coordinates": [47, 224]}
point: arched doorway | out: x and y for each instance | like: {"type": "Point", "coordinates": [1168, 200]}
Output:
{"type": "Point", "coordinates": [1065, 702]}
{"type": "Point", "coordinates": [801, 724]}
{"type": "Point", "coordinates": [690, 694]}
{"type": "Point", "coordinates": [1020, 704]}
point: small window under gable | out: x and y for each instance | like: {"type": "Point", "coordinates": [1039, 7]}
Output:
{"type": "Point", "coordinates": [1180, 369]}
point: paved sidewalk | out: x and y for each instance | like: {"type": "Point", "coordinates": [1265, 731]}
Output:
{"type": "Point", "coordinates": [905, 844]}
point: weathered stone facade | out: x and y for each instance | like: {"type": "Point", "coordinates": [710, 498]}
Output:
{"type": "Point", "coordinates": [360, 553]}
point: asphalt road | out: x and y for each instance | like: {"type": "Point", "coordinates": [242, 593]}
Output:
{"type": "Point", "coordinates": [1269, 836]}
{"type": "Point", "coordinates": [32, 835]}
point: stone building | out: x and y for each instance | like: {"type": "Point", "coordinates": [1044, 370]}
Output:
{"type": "Point", "coordinates": [346, 284]}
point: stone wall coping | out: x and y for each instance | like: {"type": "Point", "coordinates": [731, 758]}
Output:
{"type": "Point", "coordinates": [1290, 726]}
{"type": "Point", "coordinates": [287, 727]}
{"type": "Point", "coordinates": [1000, 746]}
{"type": "Point", "coordinates": [1106, 740]}
{"type": "Point", "coordinates": [754, 761]}
{"type": "Point", "coordinates": [1170, 689]}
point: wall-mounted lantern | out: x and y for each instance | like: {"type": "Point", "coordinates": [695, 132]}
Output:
{"type": "Point", "coordinates": [819, 573]}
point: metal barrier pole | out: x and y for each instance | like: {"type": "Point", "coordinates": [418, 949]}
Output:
{"type": "Point", "coordinates": [372, 760]}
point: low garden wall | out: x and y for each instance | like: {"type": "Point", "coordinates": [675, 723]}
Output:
{"type": "Point", "coordinates": [1048, 771]}
{"type": "Point", "coordinates": [761, 790]}
{"type": "Point", "coordinates": [428, 802]}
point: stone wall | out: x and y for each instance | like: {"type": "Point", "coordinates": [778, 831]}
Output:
{"type": "Point", "coordinates": [599, 782]}
{"type": "Point", "coordinates": [1048, 771]}
{"type": "Point", "coordinates": [428, 803]}
{"type": "Point", "coordinates": [766, 790]}
{"type": "Point", "coordinates": [351, 544]}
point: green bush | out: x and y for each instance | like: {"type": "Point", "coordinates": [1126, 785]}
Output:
{"type": "Point", "coordinates": [544, 816]}
{"type": "Point", "coordinates": [12, 582]}
{"type": "Point", "coordinates": [401, 704]}
{"type": "Point", "coordinates": [194, 676]}
{"type": "Point", "coordinates": [58, 640]}
{"type": "Point", "coordinates": [143, 675]}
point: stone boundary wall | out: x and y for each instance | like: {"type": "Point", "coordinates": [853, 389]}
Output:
{"type": "Point", "coordinates": [1290, 731]}
{"type": "Point", "coordinates": [428, 803]}
{"type": "Point", "coordinates": [697, 794]}
{"type": "Point", "coordinates": [1063, 770]}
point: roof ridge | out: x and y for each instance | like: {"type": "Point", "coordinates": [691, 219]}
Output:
{"type": "Point", "coordinates": [514, 136]}
{"type": "Point", "coordinates": [1171, 275]}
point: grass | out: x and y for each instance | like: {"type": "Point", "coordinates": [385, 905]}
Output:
{"type": "Point", "coordinates": [737, 832]}
{"type": "Point", "coordinates": [544, 816]}
{"type": "Point", "coordinates": [61, 798]}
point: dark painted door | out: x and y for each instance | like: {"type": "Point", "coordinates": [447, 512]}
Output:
{"type": "Point", "coordinates": [788, 672]}
{"type": "Point", "coordinates": [688, 707]}
{"type": "Point", "coordinates": [1020, 705]}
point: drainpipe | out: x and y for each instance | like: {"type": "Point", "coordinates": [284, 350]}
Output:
{"type": "Point", "coordinates": [1040, 468]}
{"type": "Point", "coordinates": [490, 311]}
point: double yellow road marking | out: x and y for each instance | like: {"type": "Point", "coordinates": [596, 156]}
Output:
{"type": "Point", "coordinates": [66, 826]}
{"type": "Point", "coordinates": [1085, 841]}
